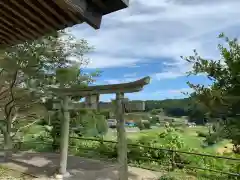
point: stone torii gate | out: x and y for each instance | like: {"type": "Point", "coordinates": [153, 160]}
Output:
{"type": "Point", "coordinates": [94, 92]}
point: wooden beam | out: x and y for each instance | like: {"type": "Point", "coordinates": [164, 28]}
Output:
{"type": "Point", "coordinates": [13, 26]}
{"type": "Point", "coordinates": [111, 5]}
{"type": "Point", "coordinates": [65, 7]}
{"type": "Point", "coordinates": [92, 17]}
{"type": "Point", "coordinates": [121, 136]}
{"type": "Point", "coordinates": [30, 14]}
{"type": "Point", "coordinates": [100, 4]}
{"type": "Point", "coordinates": [4, 42]}
{"type": "Point", "coordinates": [7, 35]}
{"type": "Point", "coordinates": [5, 39]}
{"type": "Point", "coordinates": [135, 86]}
{"type": "Point", "coordinates": [49, 8]}
{"type": "Point", "coordinates": [30, 23]}
{"type": "Point", "coordinates": [6, 29]}
{"type": "Point", "coordinates": [40, 11]}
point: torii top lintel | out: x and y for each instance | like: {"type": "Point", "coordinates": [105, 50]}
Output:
{"type": "Point", "coordinates": [31, 19]}
{"type": "Point", "coordinates": [130, 87]}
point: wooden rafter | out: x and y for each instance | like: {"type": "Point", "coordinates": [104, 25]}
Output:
{"type": "Point", "coordinates": [86, 12]}
{"type": "Point", "coordinates": [53, 11]}
{"type": "Point", "coordinates": [30, 19]}
{"type": "Point", "coordinates": [3, 20]}
{"type": "Point", "coordinates": [6, 31]}
{"type": "Point", "coordinates": [5, 39]}
{"type": "Point", "coordinates": [104, 89]}
{"type": "Point", "coordinates": [24, 19]}
{"type": "Point", "coordinates": [41, 12]}
{"type": "Point", "coordinates": [64, 7]}
{"type": "Point", "coordinates": [6, 35]}
{"type": "Point", "coordinates": [35, 17]}
{"type": "Point", "coordinates": [100, 4]}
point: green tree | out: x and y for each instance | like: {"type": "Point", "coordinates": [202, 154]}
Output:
{"type": "Point", "coordinates": [221, 99]}
{"type": "Point", "coordinates": [27, 71]}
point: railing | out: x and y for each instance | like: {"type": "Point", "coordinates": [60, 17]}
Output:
{"type": "Point", "coordinates": [172, 159]}
{"type": "Point", "coordinates": [173, 162]}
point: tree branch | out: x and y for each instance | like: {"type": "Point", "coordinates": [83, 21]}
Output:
{"type": "Point", "coordinates": [8, 113]}
{"type": "Point", "coordinates": [28, 125]}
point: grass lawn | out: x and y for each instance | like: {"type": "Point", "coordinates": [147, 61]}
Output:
{"type": "Point", "coordinates": [189, 136]}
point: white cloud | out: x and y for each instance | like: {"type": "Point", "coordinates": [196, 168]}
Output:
{"type": "Point", "coordinates": [173, 70]}
{"type": "Point", "coordinates": [110, 61]}
{"type": "Point", "coordinates": [161, 29]}
{"type": "Point", "coordinates": [122, 80]}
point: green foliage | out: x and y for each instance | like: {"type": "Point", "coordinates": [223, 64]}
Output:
{"type": "Point", "coordinates": [66, 75]}
{"type": "Point", "coordinates": [178, 108]}
{"type": "Point", "coordinates": [105, 113]}
{"type": "Point", "coordinates": [157, 112]}
{"type": "Point", "coordinates": [172, 138]}
{"type": "Point", "coordinates": [101, 125]}
{"type": "Point", "coordinates": [146, 124]}
{"type": "Point", "coordinates": [107, 150]}
{"type": "Point", "coordinates": [83, 123]}
{"type": "Point", "coordinates": [212, 139]}
{"type": "Point", "coordinates": [202, 134]}
{"type": "Point", "coordinates": [167, 177]}
{"type": "Point", "coordinates": [28, 69]}
{"type": "Point", "coordinates": [143, 124]}
{"type": "Point", "coordinates": [147, 152]}
{"type": "Point", "coordinates": [221, 99]}
{"type": "Point", "coordinates": [154, 120]}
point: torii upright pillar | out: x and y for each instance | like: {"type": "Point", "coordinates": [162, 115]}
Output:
{"type": "Point", "coordinates": [121, 138]}
{"type": "Point", "coordinates": [64, 137]}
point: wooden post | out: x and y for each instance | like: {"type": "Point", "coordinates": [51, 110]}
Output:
{"type": "Point", "coordinates": [64, 137]}
{"type": "Point", "coordinates": [122, 141]}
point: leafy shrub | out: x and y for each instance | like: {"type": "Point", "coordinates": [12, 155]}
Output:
{"type": "Point", "coordinates": [146, 124]}
{"type": "Point", "coordinates": [154, 120]}
{"type": "Point", "coordinates": [105, 113]}
{"type": "Point", "coordinates": [154, 112]}
{"type": "Point", "coordinates": [42, 122]}
{"type": "Point", "coordinates": [202, 134]}
{"type": "Point", "coordinates": [212, 139]}
{"type": "Point", "coordinates": [107, 150]}
{"type": "Point", "coordinates": [140, 124]}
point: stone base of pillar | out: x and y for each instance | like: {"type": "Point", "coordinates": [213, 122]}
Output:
{"type": "Point", "coordinates": [62, 176]}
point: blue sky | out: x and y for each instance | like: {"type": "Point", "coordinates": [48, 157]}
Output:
{"type": "Point", "coordinates": [148, 38]}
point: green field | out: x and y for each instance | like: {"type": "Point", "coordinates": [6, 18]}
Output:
{"type": "Point", "coordinates": [189, 136]}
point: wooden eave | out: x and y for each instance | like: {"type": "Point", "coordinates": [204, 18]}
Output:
{"type": "Point", "coordinates": [130, 87]}
{"type": "Point", "coordinates": [22, 20]}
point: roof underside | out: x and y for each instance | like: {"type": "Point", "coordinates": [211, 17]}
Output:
{"type": "Point", "coordinates": [31, 19]}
